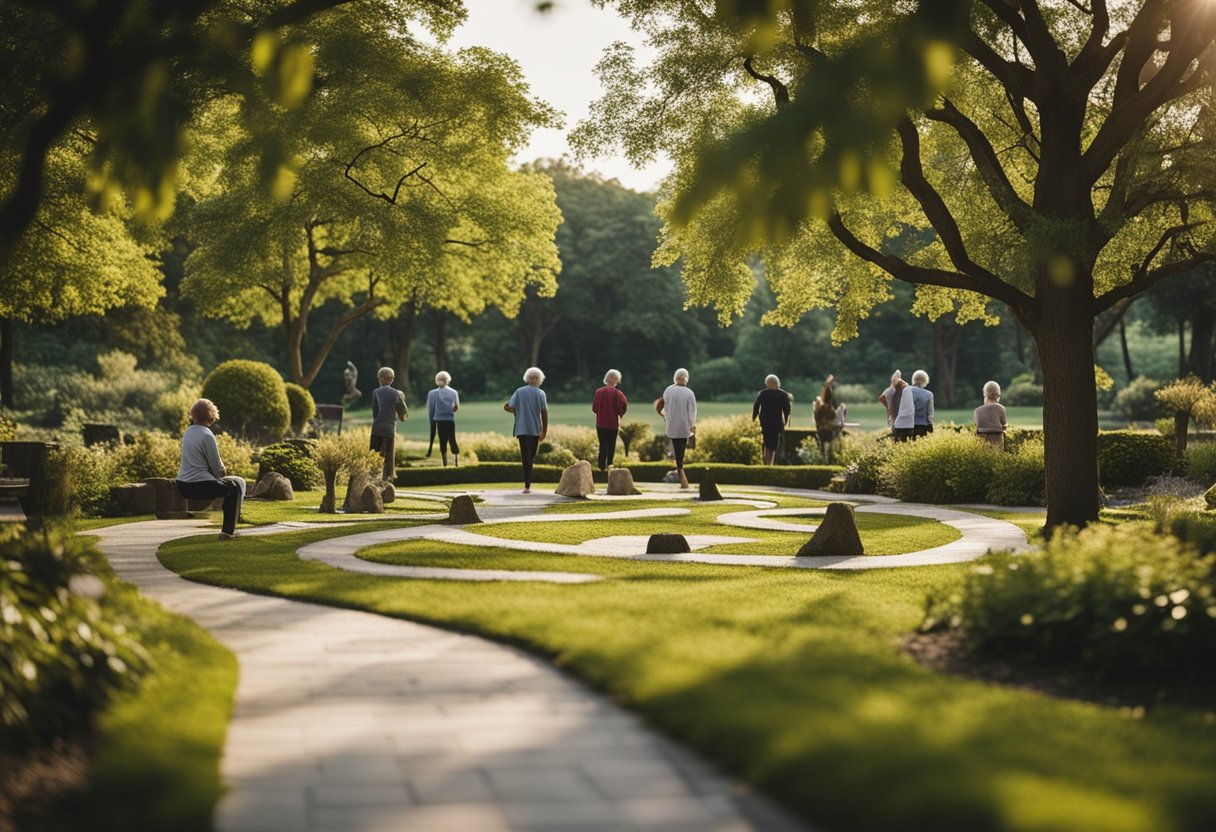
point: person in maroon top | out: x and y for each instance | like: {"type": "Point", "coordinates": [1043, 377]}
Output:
{"type": "Point", "coordinates": [609, 405]}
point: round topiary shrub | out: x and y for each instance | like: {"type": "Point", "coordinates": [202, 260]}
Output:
{"type": "Point", "coordinates": [301, 405]}
{"type": "Point", "coordinates": [292, 462]}
{"type": "Point", "coordinates": [1023, 394]}
{"type": "Point", "coordinates": [251, 397]}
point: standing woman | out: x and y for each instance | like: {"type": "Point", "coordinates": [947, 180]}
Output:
{"type": "Point", "coordinates": [772, 408]}
{"type": "Point", "coordinates": [825, 410]}
{"type": "Point", "coordinates": [531, 410]}
{"type": "Point", "coordinates": [441, 406]}
{"type": "Point", "coordinates": [609, 405]}
{"type": "Point", "coordinates": [922, 401]}
{"type": "Point", "coordinates": [680, 411]}
{"type": "Point", "coordinates": [201, 475]}
{"type": "Point", "coordinates": [990, 419]}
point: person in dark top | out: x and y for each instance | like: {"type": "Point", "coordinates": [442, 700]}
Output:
{"type": "Point", "coordinates": [772, 408]}
{"type": "Point", "coordinates": [609, 405]}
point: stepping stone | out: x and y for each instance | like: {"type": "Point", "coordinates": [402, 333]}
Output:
{"type": "Point", "coordinates": [836, 536]}
{"type": "Point", "coordinates": [709, 491]}
{"type": "Point", "coordinates": [462, 511]}
{"type": "Point", "coordinates": [577, 481]}
{"type": "Point", "coordinates": [667, 544]}
{"type": "Point", "coordinates": [620, 483]}
{"type": "Point", "coordinates": [272, 486]}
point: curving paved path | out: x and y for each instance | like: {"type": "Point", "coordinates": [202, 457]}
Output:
{"type": "Point", "coordinates": [352, 722]}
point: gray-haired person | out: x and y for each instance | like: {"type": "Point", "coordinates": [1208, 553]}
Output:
{"type": "Point", "coordinates": [990, 419]}
{"type": "Point", "coordinates": [441, 406]}
{"type": "Point", "coordinates": [609, 405]}
{"type": "Point", "coordinates": [772, 408]}
{"type": "Point", "coordinates": [922, 404]}
{"type": "Point", "coordinates": [531, 410]}
{"type": "Point", "coordinates": [890, 397]}
{"type": "Point", "coordinates": [388, 407]}
{"type": "Point", "coordinates": [680, 413]}
{"type": "Point", "coordinates": [201, 474]}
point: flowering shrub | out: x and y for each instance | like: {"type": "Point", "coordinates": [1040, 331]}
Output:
{"type": "Point", "coordinates": [1107, 600]}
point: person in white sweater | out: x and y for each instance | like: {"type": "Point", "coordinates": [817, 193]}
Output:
{"type": "Point", "coordinates": [680, 413]}
{"type": "Point", "coordinates": [201, 475]}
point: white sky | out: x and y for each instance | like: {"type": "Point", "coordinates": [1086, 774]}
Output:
{"type": "Point", "coordinates": [558, 52]}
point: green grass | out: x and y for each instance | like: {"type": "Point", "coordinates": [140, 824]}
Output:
{"type": "Point", "coordinates": [157, 749]}
{"type": "Point", "coordinates": [793, 681]}
{"type": "Point", "coordinates": [304, 508]}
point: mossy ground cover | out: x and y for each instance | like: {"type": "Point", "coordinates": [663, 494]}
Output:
{"type": "Point", "coordinates": [793, 680]}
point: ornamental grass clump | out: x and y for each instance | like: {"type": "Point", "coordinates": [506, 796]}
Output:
{"type": "Point", "coordinates": [1117, 601]}
{"type": "Point", "coordinates": [1180, 397]}
{"type": "Point", "coordinates": [334, 455]}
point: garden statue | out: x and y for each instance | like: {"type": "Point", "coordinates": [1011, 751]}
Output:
{"type": "Point", "coordinates": [350, 376]}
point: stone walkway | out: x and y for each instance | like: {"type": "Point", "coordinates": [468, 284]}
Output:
{"type": "Point", "coordinates": [354, 722]}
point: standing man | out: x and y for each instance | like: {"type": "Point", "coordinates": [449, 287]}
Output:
{"type": "Point", "coordinates": [772, 408]}
{"type": "Point", "coordinates": [388, 407]}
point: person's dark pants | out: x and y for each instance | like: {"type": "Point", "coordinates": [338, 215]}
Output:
{"type": "Point", "coordinates": [921, 430]}
{"type": "Point", "coordinates": [446, 428]}
{"type": "Point", "coordinates": [527, 453]}
{"type": "Point", "coordinates": [384, 445]}
{"type": "Point", "coordinates": [772, 437]}
{"type": "Point", "coordinates": [209, 490]}
{"type": "Point", "coordinates": [607, 446]}
{"type": "Point", "coordinates": [679, 446]}
{"type": "Point", "coordinates": [902, 434]}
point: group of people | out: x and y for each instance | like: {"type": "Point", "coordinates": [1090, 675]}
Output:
{"type": "Point", "coordinates": [909, 415]}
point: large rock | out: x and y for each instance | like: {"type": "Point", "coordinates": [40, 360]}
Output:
{"type": "Point", "coordinates": [620, 483]}
{"type": "Point", "coordinates": [577, 480]}
{"type": "Point", "coordinates": [371, 501]}
{"type": "Point", "coordinates": [133, 498]}
{"type": "Point", "coordinates": [1209, 497]}
{"type": "Point", "coordinates": [836, 536]}
{"type": "Point", "coordinates": [272, 486]}
{"type": "Point", "coordinates": [387, 492]}
{"type": "Point", "coordinates": [667, 544]}
{"type": "Point", "coordinates": [169, 502]}
{"type": "Point", "coordinates": [462, 511]}
{"type": "Point", "coordinates": [351, 504]}
{"type": "Point", "coordinates": [709, 491]}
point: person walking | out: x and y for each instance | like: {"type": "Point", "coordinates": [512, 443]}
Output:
{"type": "Point", "coordinates": [609, 405]}
{"type": "Point", "coordinates": [890, 397]}
{"type": "Point", "coordinates": [772, 409]}
{"type": "Point", "coordinates": [990, 419]}
{"type": "Point", "coordinates": [826, 411]}
{"type": "Point", "coordinates": [680, 413]}
{"type": "Point", "coordinates": [903, 425]}
{"type": "Point", "coordinates": [388, 408]}
{"type": "Point", "coordinates": [531, 410]}
{"type": "Point", "coordinates": [922, 402]}
{"type": "Point", "coordinates": [201, 474]}
{"type": "Point", "coordinates": [441, 406]}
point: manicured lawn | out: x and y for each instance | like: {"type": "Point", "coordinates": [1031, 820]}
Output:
{"type": "Point", "coordinates": [794, 681]}
{"type": "Point", "coordinates": [304, 508]}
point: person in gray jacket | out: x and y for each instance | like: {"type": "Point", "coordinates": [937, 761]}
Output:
{"type": "Point", "coordinates": [441, 406]}
{"type": "Point", "coordinates": [680, 414]}
{"type": "Point", "coordinates": [922, 404]}
{"type": "Point", "coordinates": [201, 474]}
{"type": "Point", "coordinates": [388, 407]}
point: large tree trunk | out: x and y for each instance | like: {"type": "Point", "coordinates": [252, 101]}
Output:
{"type": "Point", "coordinates": [401, 330]}
{"type": "Point", "coordinates": [1064, 335]}
{"type": "Point", "coordinates": [6, 363]}
{"type": "Point", "coordinates": [1127, 355]}
{"type": "Point", "coordinates": [1202, 327]}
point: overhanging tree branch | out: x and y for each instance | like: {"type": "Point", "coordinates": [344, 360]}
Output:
{"type": "Point", "coordinates": [1143, 278]}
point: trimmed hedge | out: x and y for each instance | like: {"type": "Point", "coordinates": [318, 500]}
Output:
{"type": "Point", "coordinates": [787, 476]}
{"type": "Point", "coordinates": [292, 462]}
{"type": "Point", "coordinates": [301, 405]}
{"type": "Point", "coordinates": [1127, 457]}
{"type": "Point", "coordinates": [251, 398]}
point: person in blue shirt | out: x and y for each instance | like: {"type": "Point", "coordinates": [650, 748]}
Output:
{"type": "Point", "coordinates": [531, 410]}
{"type": "Point", "coordinates": [922, 405]}
{"type": "Point", "coordinates": [441, 406]}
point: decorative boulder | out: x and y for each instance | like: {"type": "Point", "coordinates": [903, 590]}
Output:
{"type": "Point", "coordinates": [272, 486]}
{"type": "Point", "coordinates": [1209, 497]}
{"type": "Point", "coordinates": [354, 492]}
{"type": "Point", "coordinates": [576, 480]}
{"type": "Point", "coordinates": [667, 544]}
{"type": "Point", "coordinates": [709, 491]}
{"type": "Point", "coordinates": [387, 492]}
{"type": "Point", "coordinates": [133, 498]}
{"type": "Point", "coordinates": [462, 511]}
{"type": "Point", "coordinates": [371, 502]}
{"type": "Point", "coordinates": [836, 536]}
{"type": "Point", "coordinates": [169, 502]}
{"type": "Point", "coordinates": [620, 482]}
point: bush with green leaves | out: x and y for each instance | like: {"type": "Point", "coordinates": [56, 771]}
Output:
{"type": "Point", "coordinates": [550, 454]}
{"type": "Point", "coordinates": [1127, 457]}
{"type": "Point", "coordinates": [171, 411]}
{"type": "Point", "coordinates": [633, 434]}
{"type": "Point", "coordinates": [1108, 601]}
{"type": "Point", "coordinates": [237, 456]}
{"type": "Point", "coordinates": [292, 462]}
{"type": "Point", "coordinates": [251, 398]}
{"type": "Point", "coordinates": [1137, 402]}
{"type": "Point", "coordinates": [1200, 462]}
{"type": "Point", "coordinates": [1015, 437]}
{"type": "Point", "coordinates": [79, 481]}
{"type": "Point", "coordinates": [301, 406]}
{"type": "Point", "coordinates": [580, 440]}
{"type": "Point", "coordinates": [8, 429]}
{"type": "Point", "coordinates": [855, 394]}
{"type": "Point", "coordinates": [733, 440]}
{"type": "Point", "coordinates": [653, 448]}
{"type": "Point", "coordinates": [151, 454]}
{"type": "Point", "coordinates": [1197, 528]}
{"type": "Point", "coordinates": [943, 467]}
{"type": "Point", "coordinates": [1023, 394]}
{"type": "Point", "coordinates": [63, 654]}
{"type": "Point", "coordinates": [492, 447]}
{"type": "Point", "coordinates": [1018, 477]}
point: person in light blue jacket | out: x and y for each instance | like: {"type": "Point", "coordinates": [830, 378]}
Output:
{"type": "Point", "coordinates": [531, 409]}
{"type": "Point", "coordinates": [441, 406]}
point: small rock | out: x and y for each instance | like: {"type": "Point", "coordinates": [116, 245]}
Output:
{"type": "Point", "coordinates": [836, 536]}
{"type": "Point", "coordinates": [273, 486]}
{"type": "Point", "coordinates": [709, 491]}
{"type": "Point", "coordinates": [1209, 497]}
{"type": "Point", "coordinates": [462, 511]}
{"type": "Point", "coordinates": [370, 502]}
{"type": "Point", "coordinates": [577, 480]}
{"type": "Point", "coordinates": [667, 544]}
{"type": "Point", "coordinates": [620, 482]}
{"type": "Point", "coordinates": [387, 492]}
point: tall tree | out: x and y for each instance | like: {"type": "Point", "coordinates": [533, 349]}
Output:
{"type": "Point", "coordinates": [1062, 164]}
{"type": "Point", "coordinates": [402, 198]}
